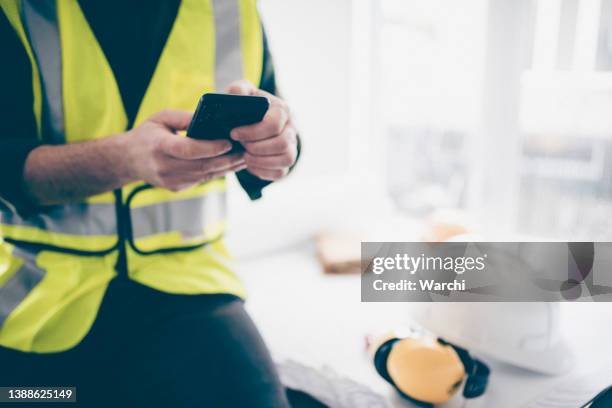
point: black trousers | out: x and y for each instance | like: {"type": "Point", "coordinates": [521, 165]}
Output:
{"type": "Point", "coordinates": [152, 349]}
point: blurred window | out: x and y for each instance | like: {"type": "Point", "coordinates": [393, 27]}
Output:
{"type": "Point", "coordinates": [431, 78]}
{"type": "Point", "coordinates": [566, 119]}
{"type": "Point", "coordinates": [430, 54]}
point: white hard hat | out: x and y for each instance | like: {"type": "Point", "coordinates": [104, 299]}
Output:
{"type": "Point", "coordinates": [523, 334]}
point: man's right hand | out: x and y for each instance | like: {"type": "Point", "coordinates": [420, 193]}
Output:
{"type": "Point", "coordinates": [151, 152]}
{"type": "Point", "coordinates": [164, 159]}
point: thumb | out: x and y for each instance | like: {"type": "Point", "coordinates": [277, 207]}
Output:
{"type": "Point", "coordinates": [241, 87]}
{"type": "Point", "coordinates": [173, 119]}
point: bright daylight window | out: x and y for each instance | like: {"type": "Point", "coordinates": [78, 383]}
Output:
{"type": "Point", "coordinates": [431, 71]}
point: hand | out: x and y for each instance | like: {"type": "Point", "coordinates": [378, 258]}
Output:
{"type": "Point", "coordinates": [271, 145]}
{"type": "Point", "coordinates": [164, 159]}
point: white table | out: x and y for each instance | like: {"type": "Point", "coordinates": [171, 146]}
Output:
{"type": "Point", "coordinates": [319, 320]}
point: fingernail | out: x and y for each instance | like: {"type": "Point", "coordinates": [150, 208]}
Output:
{"type": "Point", "coordinates": [234, 134]}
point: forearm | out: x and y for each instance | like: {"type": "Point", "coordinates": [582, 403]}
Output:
{"type": "Point", "coordinates": [70, 173]}
{"type": "Point", "coordinates": [151, 152]}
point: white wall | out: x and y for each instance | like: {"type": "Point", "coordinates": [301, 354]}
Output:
{"type": "Point", "coordinates": [310, 41]}
{"type": "Point", "coordinates": [311, 45]}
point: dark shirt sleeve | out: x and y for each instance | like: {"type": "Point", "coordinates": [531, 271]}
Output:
{"type": "Point", "coordinates": [252, 184]}
{"type": "Point", "coordinates": [18, 135]}
{"type": "Point", "coordinates": [268, 78]}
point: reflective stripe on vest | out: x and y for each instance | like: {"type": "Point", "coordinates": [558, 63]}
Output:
{"type": "Point", "coordinates": [40, 21]}
{"type": "Point", "coordinates": [228, 55]}
{"type": "Point", "coordinates": [75, 219]}
{"type": "Point", "coordinates": [183, 219]}
{"type": "Point", "coordinates": [20, 284]}
{"type": "Point", "coordinates": [185, 216]}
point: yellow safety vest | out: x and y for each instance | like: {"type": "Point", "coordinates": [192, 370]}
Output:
{"type": "Point", "coordinates": [55, 266]}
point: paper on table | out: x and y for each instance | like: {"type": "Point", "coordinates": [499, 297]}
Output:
{"type": "Point", "coordinates": [575, 391]}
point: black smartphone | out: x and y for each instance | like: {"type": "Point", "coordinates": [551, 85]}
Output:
{"type": "Point", "coordinates": [217, 114]}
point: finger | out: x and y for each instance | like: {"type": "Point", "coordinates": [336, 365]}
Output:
{"type": "Point", "coordinates": [220, 164]}
{"type": "Point", "coordinates": [220, 172]}
{"type": "Point", "coordinates": [241, 87]}
{"type": "Point", "coordinates": [286, 142]}
{"type": "Point", "coordinates": [192, 169]}
{"type": "Point", "coordinates": [173, 119]}
{"type": "Point", "coordinates": [177, 185]}
{"type": "Point", "coordinates": [272, 124]}
{"type": "Point", "coordinates": [237, 168]}
{"type": "Point", "coordinates": [245, 87]}
{"type": "Point", "coordinates": [282, 161]}
{"type": "Point", "coordinates": [191, 149]}
{"type": "Point", "coordinates": [186, 172]}
{"type": "Point", "coordinates": [261, 92]}
{"type": "Point", "coordinates": [268, 174]}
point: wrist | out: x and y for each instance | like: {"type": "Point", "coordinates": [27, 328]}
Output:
{"type": "Point", "coordinates": [31, 174]}
{"type": "Point", "coordinates": [127, 170]}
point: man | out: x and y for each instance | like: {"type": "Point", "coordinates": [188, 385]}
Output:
{"type": "Point", "coordinates": [113, 273]}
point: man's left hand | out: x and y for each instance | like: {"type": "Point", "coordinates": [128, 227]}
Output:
{"type": "Point", "coordinates": [271, 145]}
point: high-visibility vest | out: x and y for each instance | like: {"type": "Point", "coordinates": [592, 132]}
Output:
{"type": "Point", "coordinates": [56, 265]}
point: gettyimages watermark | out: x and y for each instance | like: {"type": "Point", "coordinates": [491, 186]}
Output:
{"type": "Point", "coordinates": [486, 271]}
